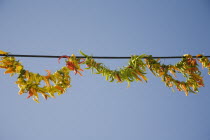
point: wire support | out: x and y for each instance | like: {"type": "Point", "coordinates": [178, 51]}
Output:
{"type": "Point", "coordinates": [95, 57]}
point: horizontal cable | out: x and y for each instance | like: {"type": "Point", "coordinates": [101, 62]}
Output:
{"type": "Point", "coordinates": [95, 57]}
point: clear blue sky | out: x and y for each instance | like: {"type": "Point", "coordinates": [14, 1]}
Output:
{"type": "Point", "coordinates": [92, 108]}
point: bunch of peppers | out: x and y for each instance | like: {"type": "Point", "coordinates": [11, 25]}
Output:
{"type": "Point", "coordinates": [58, 82]}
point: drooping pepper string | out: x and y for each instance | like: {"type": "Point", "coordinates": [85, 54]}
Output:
{"type": "Point", "coordinates": [59, 81]}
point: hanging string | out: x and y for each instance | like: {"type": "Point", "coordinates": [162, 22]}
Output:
{"type": "Point", "coordinates": [95, 57]}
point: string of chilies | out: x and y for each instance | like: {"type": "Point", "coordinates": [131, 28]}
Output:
{"type": "Point", "coordinates": [58, 82]}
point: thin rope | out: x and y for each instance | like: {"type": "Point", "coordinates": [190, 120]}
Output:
{"type": "Point", "coordinates": [95, 57]}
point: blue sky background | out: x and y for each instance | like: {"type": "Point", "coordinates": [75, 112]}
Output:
{"type": "Point", "coordinates": [94, 108]}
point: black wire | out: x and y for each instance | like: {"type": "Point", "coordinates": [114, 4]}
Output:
{"type": "Point", "coordinates": [95, 57]}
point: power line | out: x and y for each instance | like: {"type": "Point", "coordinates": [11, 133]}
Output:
{"type": "Point", "coordinates": [95, 57]}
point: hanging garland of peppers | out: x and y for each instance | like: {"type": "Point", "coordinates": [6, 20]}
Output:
{"type": "Point", "coordinates": [58, 82]}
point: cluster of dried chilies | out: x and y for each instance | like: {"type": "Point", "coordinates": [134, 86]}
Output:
{"type": "Point", "coordinates": [59, 81]}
